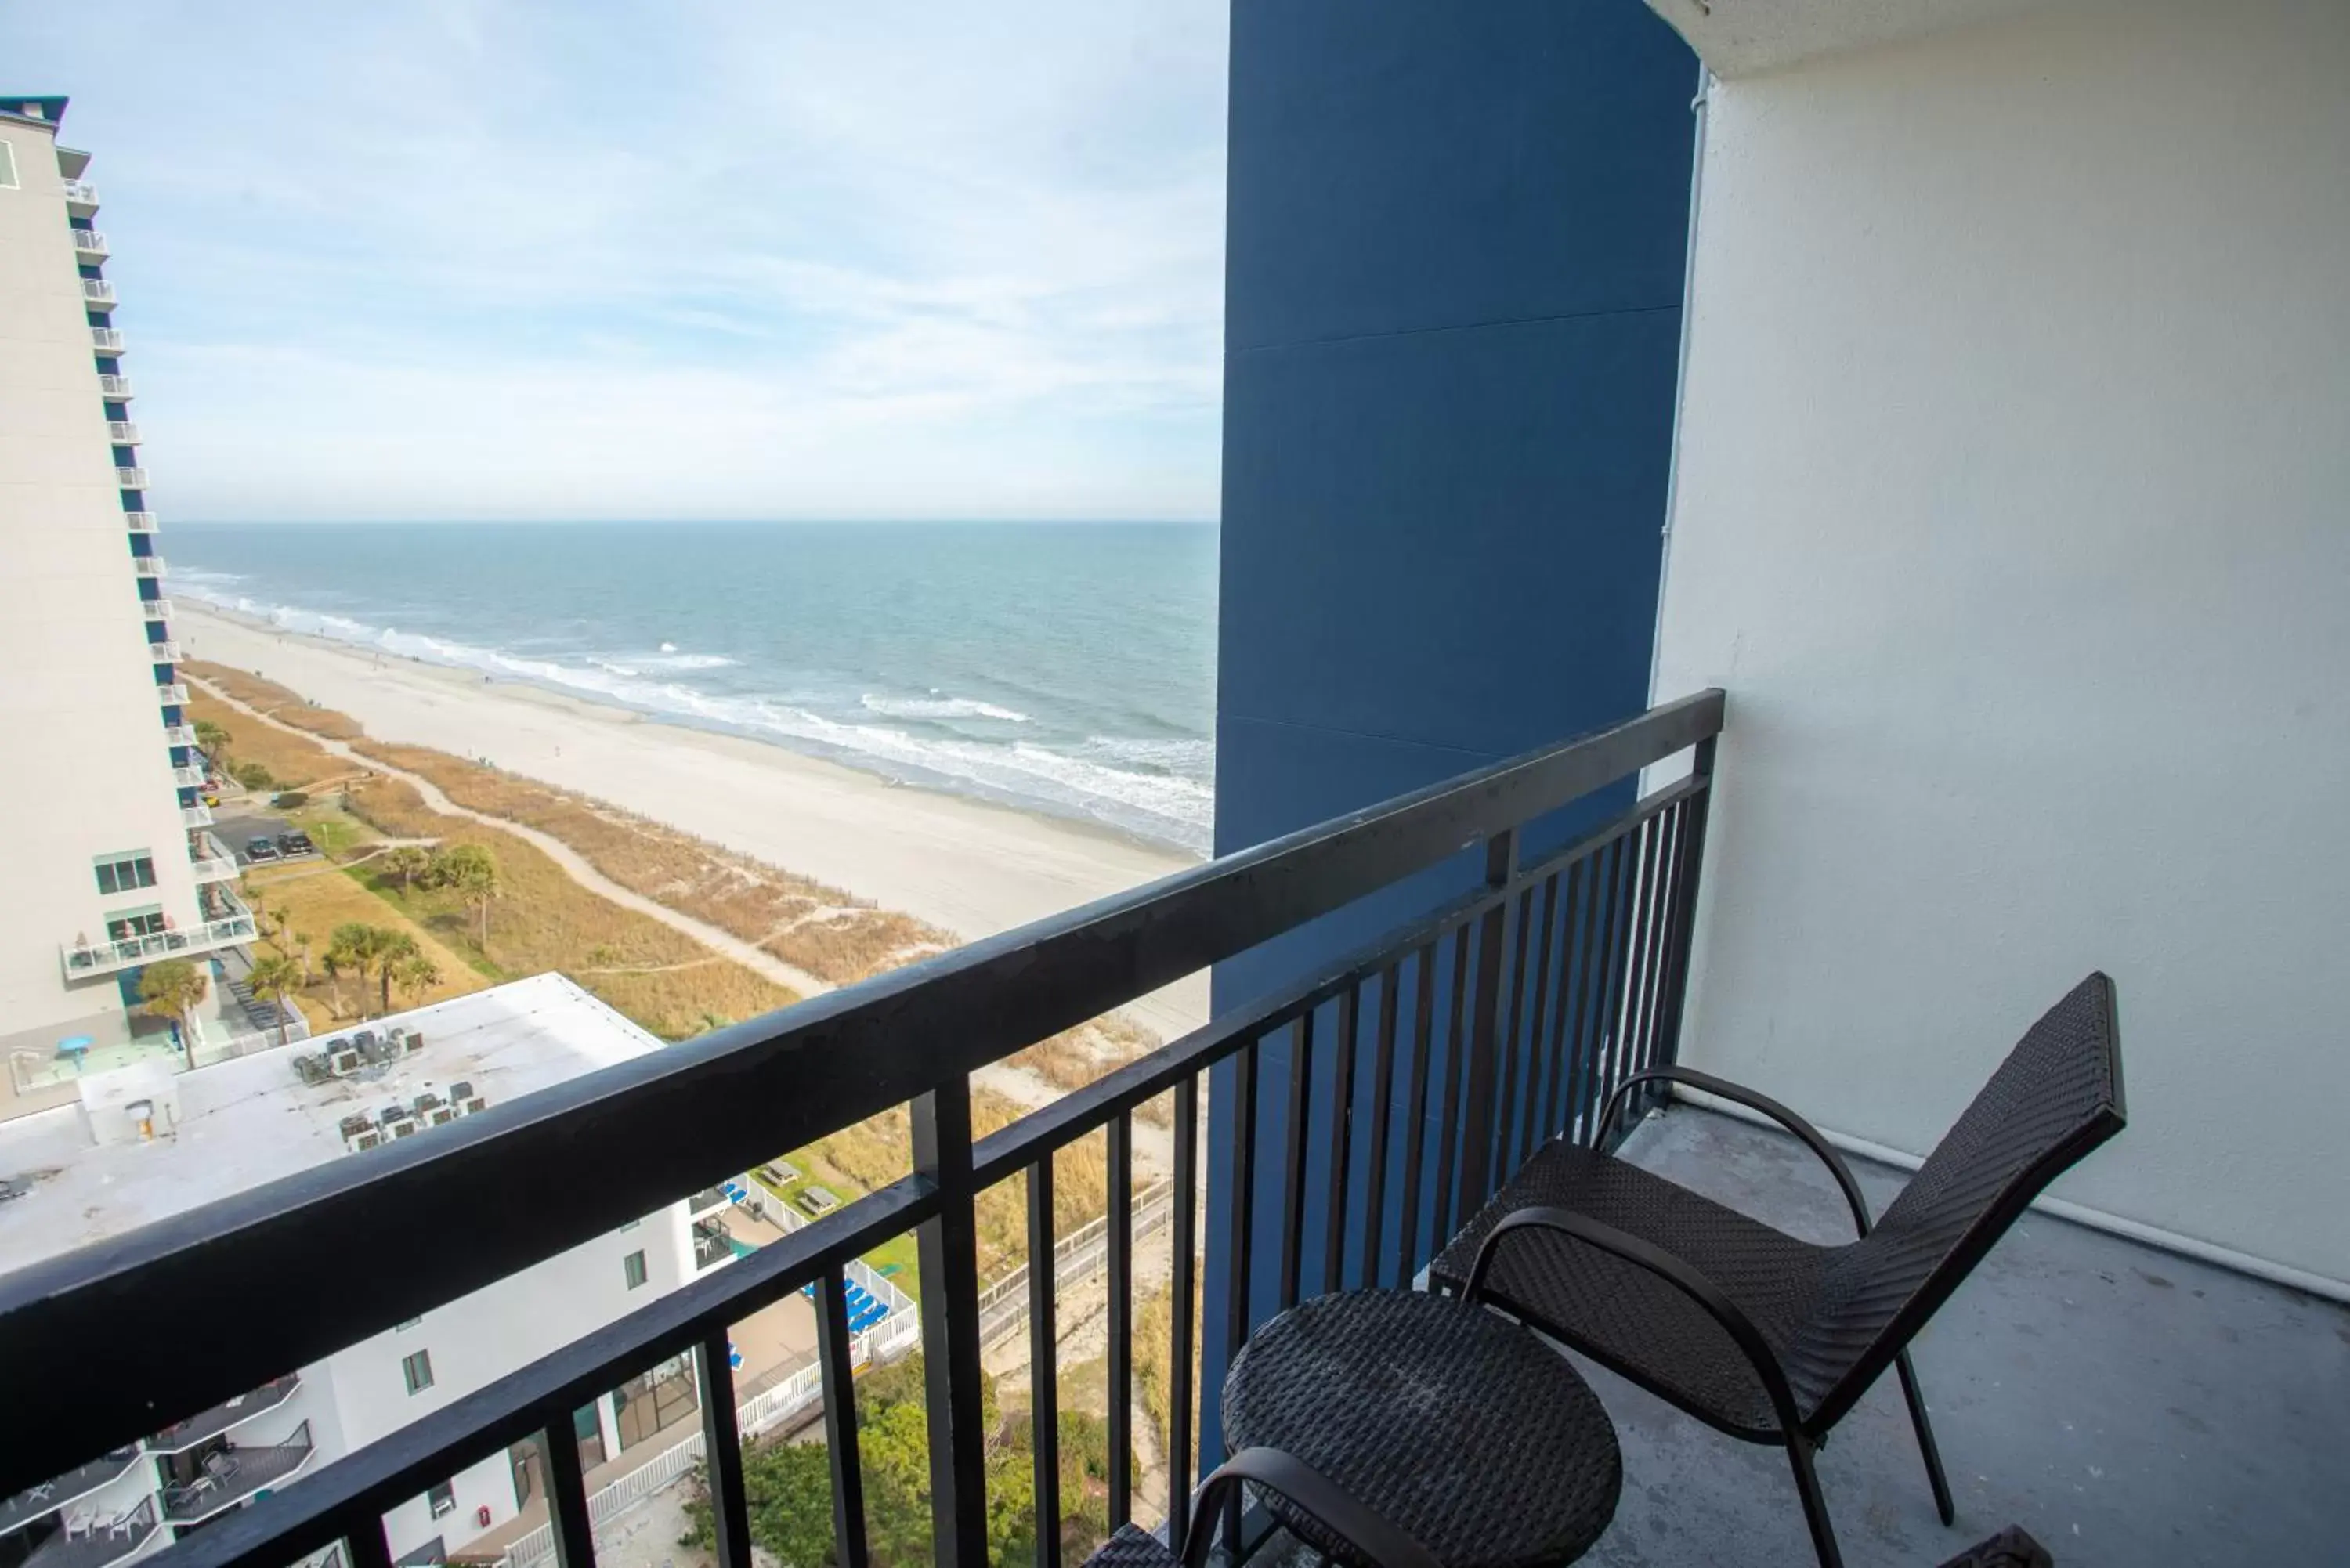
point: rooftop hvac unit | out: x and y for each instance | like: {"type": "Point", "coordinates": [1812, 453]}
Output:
{"type": "Point", "coordinates": [476, 1106]}
{"type": "Point", "coordinates": [441, 1116]}
{"type": "Point", "coordinates": [401, 1129]}
{"type": "Point", "coordinates": [342, 1060]}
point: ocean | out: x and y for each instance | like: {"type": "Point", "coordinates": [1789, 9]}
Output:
{"type": "Point", "coordinates": [1066, 667]}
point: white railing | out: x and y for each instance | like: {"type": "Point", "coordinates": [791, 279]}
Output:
{"type": "Point", "coordinates": [214, 869]}
{"type": "Point", "coordinates": [173, 694]}
{"type": "Point", "coordinates": [163, 653]}
{"type": "Point", "coordinates": [97, 291]}
{"type": "Point", "coordinates": [209, 857]}
{"type": "Point", "coordinates": [147, 566]}
{"type": "Point", "coordinates": [81, 193]}
{"type": "Point", "coordinates": [188, 778]}
{"type": "Point", "coordinates": [113, 386]}
{"type": "Point", "coordinates": [89, 242]}
{"type": "Point", "coordinates": [195, 816]}
{"type": "Point", "coordinates": [105, 339]}
{"type": "Point", "coordinates": [140, 521]}
{"type": "Point", "coordinates": [122, 433]}
{"type": "Point", "coordinates": [83, 959]}
{"type": "Point", "coordinates": [178, 735]}
{"type": "Point", "coordinates": [1077, 1256]}
{"type": "Point", "coordinates": [158, 609]}
{"type": "Point", "coordinates": [131, 478]}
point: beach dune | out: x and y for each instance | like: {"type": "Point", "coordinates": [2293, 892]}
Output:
{"type": "Point", "coordinates": [967, 866]}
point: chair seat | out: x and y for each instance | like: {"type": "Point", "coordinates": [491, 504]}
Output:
{"type": "Point", "coordinates": [1630, 1319]}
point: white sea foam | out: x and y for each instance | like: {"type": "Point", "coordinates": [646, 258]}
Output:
{"type": "Point", "coordinates": [937, 707]}
{"type": "Point", "coordinates": [1154, 787]}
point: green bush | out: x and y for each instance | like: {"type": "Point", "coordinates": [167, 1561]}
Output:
{"type": "Point", "coordinates": [251, 775]}
{"type": "Point", "coordinates": [290, 799]}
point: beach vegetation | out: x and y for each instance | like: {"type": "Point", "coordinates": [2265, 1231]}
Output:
{"type": "Point", "coordinates": [293, 762]}
{"type": "Point", "coordinates": [291, 800]}
{"type": "Point", "coordinates": [253, 773]}
{"type": "Point", "coordinates": [273, 979]}
{"type": "Point", "coordinates": [415, 974]}
{"type": "Point", "coordinates": [308, 904]}
{"type": "Point", "coordinates": [405, 863]}
{"type": "Point", "coordinates": [213, 739]}
{"type": "Point", "coordinates": [173, 988]}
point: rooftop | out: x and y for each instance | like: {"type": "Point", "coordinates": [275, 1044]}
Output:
{"type": "Point", "coordinates": [2123, 1404]}
{"type": "Point", "coordinates": [223, 1129]}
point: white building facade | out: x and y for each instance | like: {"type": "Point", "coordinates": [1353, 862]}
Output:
{"type": "Point", "coordinates": [110, 867]}
{"type": "Point", "coordinates": [2012, 464]}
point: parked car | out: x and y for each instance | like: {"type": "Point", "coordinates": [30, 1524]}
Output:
{"type": "Point", "coordinates": [296, 844]}
{"type": "Point", "coordinates": [259, 849]}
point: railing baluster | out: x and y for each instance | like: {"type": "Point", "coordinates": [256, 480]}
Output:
{"type": "Point", "coordinates": [1660, 943]}
{"type": "Point", "coordinates": [1375, 1178]}
{"type": "Point", "coordinates": [1292, 1173]}
{"type": "Point", "coordinates": [1342, 1141]}
{"type": "Point", "coordinates": [1592, 989]}
{"type": "Point", "coordinates": [369, 1547]}
{"type": "Point", "coordinates": [1180, 1285]}
{"type": "Point", "coordinates": [1236, 1301]}
{"type": "Point", "coordinates": [1557, 1097]}
{"type": "Point", "coordinates": [834, 1351]}
{"type": "Point", "coordinates": [1511, 1058]}
{"type": "Point", "coordinates": [1691, 874]}
{"type": "Point", "coordinates": [1635, 1005]}
{"type": "Point", "coordinates": [1415, 1127]}
{"type": "Point", "coordinates": [947, 1253]}
{"type": "Point", "coordinates": [1043, 1372]}
{"type": "Point", "coordinates": [1447, 1145]}
{"type": "Point", "coordinates": [721, 1450]}
{"type": "Point", "coordinates": [1120, 1235]}
{"type": "Point", "coordinates": [1535, 1078]}
{"type": "Point", "coordinates": [1622, 879]}
{"type": "Point", "coordinates": [566, 1500]}
{"type": "Point", "coordinates": [1493, 942]}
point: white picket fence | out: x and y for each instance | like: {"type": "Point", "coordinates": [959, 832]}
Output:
{"type": "Point", "coordinates": [1079, 1255]}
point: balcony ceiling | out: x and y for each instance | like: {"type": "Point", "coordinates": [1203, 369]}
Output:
{"type": "Point", "coordinates": [1747, 37]}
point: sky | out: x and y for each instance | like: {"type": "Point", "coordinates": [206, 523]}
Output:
{"type": "Point", "coordinates": [453, 259]}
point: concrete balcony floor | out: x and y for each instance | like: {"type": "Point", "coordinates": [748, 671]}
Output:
{"type": "Point", "coordinates": [2127, 1406]}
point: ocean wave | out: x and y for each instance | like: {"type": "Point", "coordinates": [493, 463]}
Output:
{"type": "Point", "coordinates": [938, 708]}
{"type": "Point", "coordinates": [1158, 787]}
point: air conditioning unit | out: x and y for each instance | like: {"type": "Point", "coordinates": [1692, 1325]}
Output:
{"type": "Point", "coordinates": [441, 1116]}
{"type": "Point", "coordinates": [342, 1060]}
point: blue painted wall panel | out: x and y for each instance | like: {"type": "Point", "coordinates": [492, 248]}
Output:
{"type": "Point", "coordinates": [1452, 323]}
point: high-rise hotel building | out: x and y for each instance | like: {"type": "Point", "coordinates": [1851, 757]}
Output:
{"type": "Point", "coordinates": [100, 797]}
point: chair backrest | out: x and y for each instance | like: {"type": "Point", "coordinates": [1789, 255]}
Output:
{"type": "Point", "coordinates": [2057, 1096]}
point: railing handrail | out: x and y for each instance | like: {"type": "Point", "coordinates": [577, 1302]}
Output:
{"type": "Point", "coordinates": [676, 1120]}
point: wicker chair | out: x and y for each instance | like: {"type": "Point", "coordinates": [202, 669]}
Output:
{"type": "Point", "coordinates": [1757, 1333]}
{"type": "Point", "coordinates": [1375, 1539]}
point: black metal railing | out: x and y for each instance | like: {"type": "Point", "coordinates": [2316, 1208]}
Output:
{"type": "Point", "coordinates": [98, 1544]}
{"type": "Point", "coordinates": [1493, 1021]}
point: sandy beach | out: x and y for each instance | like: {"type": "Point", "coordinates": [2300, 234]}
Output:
{"type": "Point", "coordinates": [966, 866]}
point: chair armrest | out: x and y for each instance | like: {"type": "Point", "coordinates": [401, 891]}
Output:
{"type": "Point", "coordinates": [1372, 1535]}
{"type": "Point", "coordinates": [1673, 1271]}
{"type": "Point", "coordinates": [1741, 1094]}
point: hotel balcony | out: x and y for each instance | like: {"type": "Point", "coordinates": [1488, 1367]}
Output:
{"type": "Point", "coordinates": [225, 1416]}
{"type": "Point", "coordinates": [180, 736]}
{"type": "Point", "coordinates": [81, 198]}
{"type": "Point", "coordinates": [90, 245]}
{"type": "Point", "coordinates": [62, 1491]}
{"type": "Point", "coordinates": [139, 522]}
{"type": "Point", "coordinates": [100, 1543]}
{"type": "Point", "coordinates": [195, 816]}
{"type": "Point", "coordinates": [83, 959]}
{"type": "Point", "coordinates": [172, 694]}
{"type": "Point", "coordinates": [97, 292]}
{"type": "Point", "coordinates": [105, 339]}
{"type": "Point", "coordinates": [131, 478]}
{"type": "Point", "coordinates": [188, 777]}
{"type": "Point", "coordinates": [147, 566]}
{"type": "Point", "coordinates": [163, 653]}
{"type": "Point", "coordinates": [237, 1473]}
{"type": "Point", "coordinates": [114, 386]}
{"type": "Point", "coordinates": [122, 433]}
{"type": "Point", "coordinates": [211, 859]}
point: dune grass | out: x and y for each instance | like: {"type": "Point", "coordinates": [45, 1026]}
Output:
{"type": "Point", "coordinates": [292, 762]}
{"type": "Point", "coordinates": [282, 703]}
{"type": "Point", "coordinates": [303, 903]}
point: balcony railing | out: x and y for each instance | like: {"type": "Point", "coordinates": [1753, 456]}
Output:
{"type": "Point", "coordinates": [59, 1491]}
{"type": "Point", "coordinates": [195, 816]}
{"type": "Point", "coordinates": [115, 387]}
{"type": "Point", "coordinates": [81, 197]}
{"type": "Point", "coordinates": [227, 1415]}
{"type": "Point", "coordinates": [100, 1544]}
{"type": "Point", "coordinates": [146, 565]}
{"type": "Point", "coordinates": [122, 433]}
{"type": "Point", "coordinates": [178, 735]}
{"type": "Point", "coordinates": [174, 694]}
{"type": "Point", "coordinates": [85, 959]}
{"type": "Point", "coordinates": [97, 291]}
{"type": "Point", "coordinates": [139, 522]}
{"type": "Point", "coordinates": [105, 339]}
{"type": "Point", "coordinates": [1499, 1014]}
{"type": "Point", "coordinates": [188, 777]}
{"type": "Point", "coordinates": [234, 1474]}
{"type": "Point", "coordinates": [163, 653]}
{"type": "Point", "coordinates": [131, 478]}
{"type": "Point", "coordinates": [89, 244]}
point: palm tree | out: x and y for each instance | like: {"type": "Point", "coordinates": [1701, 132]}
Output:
{"type": "Point", "coordinates": [213, 740]}
{"type": "Point", "coordinates": [172, 989]}
{"type": "Point", "coordinates": [273, 979]}
{"type": "Point", "coordinates": [393, 949]}
{"type": "Point", "coordinates": [416, 973]}
{"type": "Point", "coordinates": [352, 949]}
{"type": "Point", "coordinates": [407, 862]}
{"type": "Point", "coordinates": [473, 871]}
{"type": "Point", "coordinates": [301, 952]}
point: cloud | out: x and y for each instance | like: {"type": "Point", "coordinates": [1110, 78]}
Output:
{"type": "Point", "coordinates": [475, 259]}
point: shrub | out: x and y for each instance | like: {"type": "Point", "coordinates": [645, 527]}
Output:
{"type": "Point", "coordinates": [252, 775]}
{"type": "Point", "coordinates": [288, 800]}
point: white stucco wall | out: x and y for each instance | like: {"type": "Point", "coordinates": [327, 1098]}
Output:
{"type": "Point", "coordinates": [2014, 512]}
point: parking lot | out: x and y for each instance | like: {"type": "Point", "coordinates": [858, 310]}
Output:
{"type": "Point", "coordinates": [239, 829]}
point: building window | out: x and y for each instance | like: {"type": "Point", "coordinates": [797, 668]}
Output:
{"type": "Point", "coordinates": [125, 873]}
{"type": "Point", "coordinates": [132, 924]}
{"type": "Point", "coordinates": [645, 1404]}
{"type": "Point", "coordinates": [633, 1266]}
{"type": "Point", "coordinates": [418, 1370]}
{"type": "Point", "coordinates": [443, 1500]}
